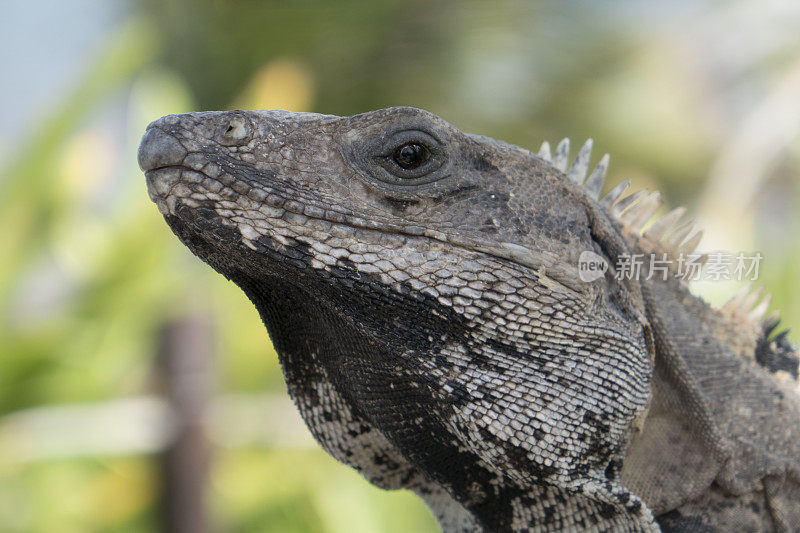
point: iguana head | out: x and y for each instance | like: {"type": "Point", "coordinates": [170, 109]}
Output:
{"type": "Point", "coordinates": [438, 273]}
{"type": "Point", "coordinates": [398, 170]}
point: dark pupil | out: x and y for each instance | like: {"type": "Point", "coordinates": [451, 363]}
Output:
{"type": "Point", "coordinates": [410, 155]}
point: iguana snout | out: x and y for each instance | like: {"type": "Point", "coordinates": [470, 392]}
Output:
{"type": "Point", "coordinates": [159, 149]}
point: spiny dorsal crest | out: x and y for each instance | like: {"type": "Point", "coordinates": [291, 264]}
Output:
{"type": "Point", "coordinates": [742, 305]}
{"type": "Point", "coordinates": [634, 211]}
{"type": "Point", "coordinates": [665, 236]}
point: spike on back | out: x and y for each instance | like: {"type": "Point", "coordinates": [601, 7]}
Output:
{"type": "Point", "coordinates": [742, 305]}
{"type": "Point", "coordinates": [577, 172]}
{"type": "Point", "coordinates": [594, 184]}
{"type": "Point", "coordinates": [544, 152]}
{"type": "Point", "coordinates": [561, 155]}
{"type": "Point", "coordinates": [580, 167]}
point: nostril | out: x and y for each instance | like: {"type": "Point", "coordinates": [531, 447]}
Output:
{"type": "Point", "coordinates": [236, 131]}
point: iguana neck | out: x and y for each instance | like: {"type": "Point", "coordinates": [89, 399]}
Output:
{"type": "Point", "coordinates": [326, 345]}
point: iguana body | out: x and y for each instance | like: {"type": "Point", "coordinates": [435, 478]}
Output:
{"type": "Point", "coordinates": [421, 288]}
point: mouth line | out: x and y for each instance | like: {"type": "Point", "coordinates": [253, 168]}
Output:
{"type": "Point", "coordinates": [165, 167]}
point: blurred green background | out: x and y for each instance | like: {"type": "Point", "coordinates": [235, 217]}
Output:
{"type": "Point", "coordinates": [698, 99]}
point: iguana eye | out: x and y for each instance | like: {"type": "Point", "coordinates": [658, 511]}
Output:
{"type": "Point", "coordinates": [408, 157]}
{"type": "Point", "coordinates": [411, 155]}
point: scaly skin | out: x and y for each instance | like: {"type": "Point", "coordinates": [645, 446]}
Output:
{"type": "Point", "coordinates": [431, 323]}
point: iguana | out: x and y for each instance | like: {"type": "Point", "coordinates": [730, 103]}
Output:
{"type": "Point", "coordinates": [422, 288]}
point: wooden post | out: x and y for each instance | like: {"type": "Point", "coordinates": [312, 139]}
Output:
{"type": "Point", "coordinates": [185, 362]}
